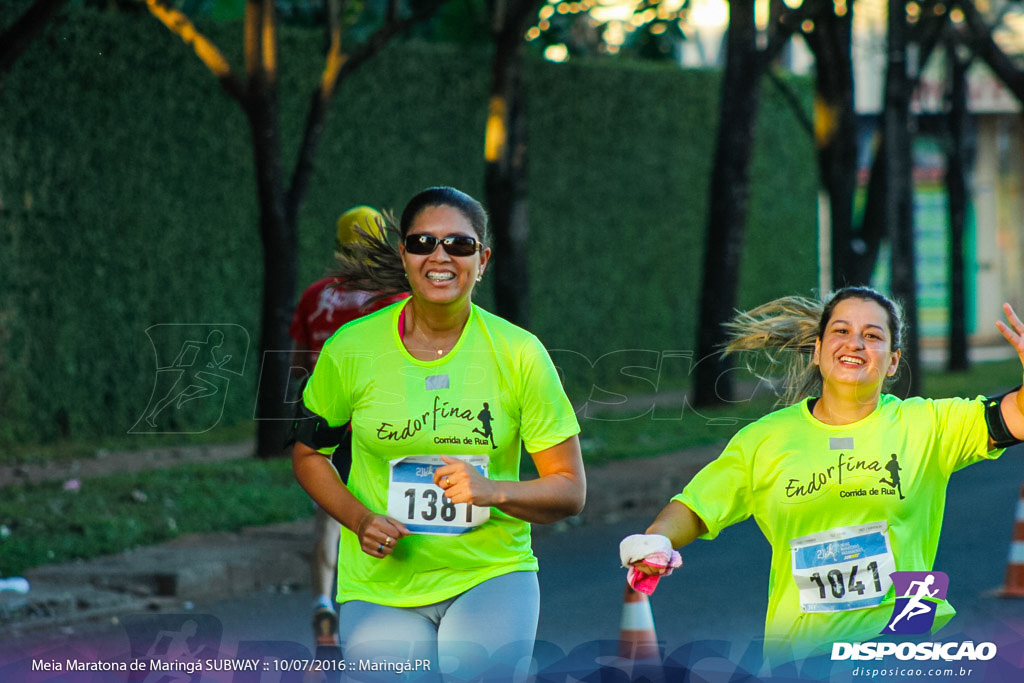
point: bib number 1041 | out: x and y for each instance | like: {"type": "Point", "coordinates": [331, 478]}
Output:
{"type": "Point", "coordinates": [839, 584]}
{"type": "Point", "coordinates": [842, 569]}
{"type": "Point", "coordinates": [428, 505]}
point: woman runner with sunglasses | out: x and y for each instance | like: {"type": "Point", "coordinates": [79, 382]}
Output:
{"type": "Point", "coordinates": [847, 483]}
{"type": "Point", "coordinates": [436, 564]}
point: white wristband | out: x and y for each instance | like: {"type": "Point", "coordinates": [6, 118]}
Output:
{"type": "Point", "coordinates": [638, 546]}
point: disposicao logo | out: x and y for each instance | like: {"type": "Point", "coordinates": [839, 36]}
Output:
{"type": "Point", "coordinates": [917, 597]}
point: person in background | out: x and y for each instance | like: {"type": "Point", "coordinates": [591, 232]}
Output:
{"type": "Point", "coordinates": [323, 307]}
{"type": "Point", "coordinates": [847, 483]}
{"type": "Point", "coordinates": [436, 560]}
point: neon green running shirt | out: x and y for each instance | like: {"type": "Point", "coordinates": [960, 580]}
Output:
{"type": "Point", "coordinates": [496, 391]}
{"type": "Point", "coordinates": [798, 476]}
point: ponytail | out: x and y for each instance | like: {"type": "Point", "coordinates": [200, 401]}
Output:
{"type": "Point", "coordinates": [785, 330]}
{"type": "Point", "coordinates": [372, 263]}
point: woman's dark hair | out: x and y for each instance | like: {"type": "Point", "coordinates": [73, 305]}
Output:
{"type": "Point", "coordinates": [893, 312]}
{"type": "Point", "coordinates": [373, 264]}
{"type": "Point", "coordinates": [447, 196]}
{"type": "Point", "coordinates": [785, 331]}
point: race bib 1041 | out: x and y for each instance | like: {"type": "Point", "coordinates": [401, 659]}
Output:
{"type": "Point", "coordinates": [842, 569]}
{"type": "Point", "coordinates": [421, 505]}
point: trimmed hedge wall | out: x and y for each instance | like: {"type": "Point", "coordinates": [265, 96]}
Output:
{"type": "Point", "coordinates": [127, 193]}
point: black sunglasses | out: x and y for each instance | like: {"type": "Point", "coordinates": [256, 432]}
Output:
{"type": "Point", "coordinates": [454, 245]}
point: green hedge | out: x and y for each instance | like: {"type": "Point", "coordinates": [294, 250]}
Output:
{"type": "Point", "coordinates": [127, 194]}
{"type": "Point", "coordinates": [44, 523]}
{"type": "Point", "coordinates": [619, 192]}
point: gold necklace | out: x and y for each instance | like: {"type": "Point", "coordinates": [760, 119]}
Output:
{"type": "Point", "coordinates": [412, 322]}
{"type": "Point", "coordinates": [440, 350]}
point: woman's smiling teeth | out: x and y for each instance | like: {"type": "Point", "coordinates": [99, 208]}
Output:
{"type": "Point", "coordinates": [436, 276]}
{"type": "Point", "coordinates": [851, 359]}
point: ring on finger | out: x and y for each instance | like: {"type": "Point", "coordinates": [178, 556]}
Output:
{"type": "Point", "coordinates": [388, 541]}
{"type": "Point", "coordinates": [380, 547]}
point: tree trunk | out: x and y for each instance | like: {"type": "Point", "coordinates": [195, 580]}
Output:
{"type": "Point", "coordinates": [278, 236]}
{"type": "Point", "coordinates": [873, 223]}
{"type": "Point", "coordinates": [899, 216]}
{"type": "Point", "coordinates": [277, 233]}
{"type": "Point", "coordinates": [836, 133]}
{"type": "Point", "coordinates": [505, 152]}
{"type": "Point", "coordinates": [730, 190]}
{"type": "Point", "coordinates": [956, 189]}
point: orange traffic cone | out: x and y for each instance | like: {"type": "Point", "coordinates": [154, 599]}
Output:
{"type": "Point", "coordinates": [637, 639]}
{"type": "Point", "coordinates": [1014, 586]}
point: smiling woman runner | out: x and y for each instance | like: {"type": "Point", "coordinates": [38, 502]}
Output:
{"type": "Point", "coordinates": [848, 484]}
{"type": "Point", "coordinates": [436, 563]}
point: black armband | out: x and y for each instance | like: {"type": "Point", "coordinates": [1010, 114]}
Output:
{"type": "Point", "coordinates": [997, 429]}
{"type": "Point", "coordinates": [314, 431]}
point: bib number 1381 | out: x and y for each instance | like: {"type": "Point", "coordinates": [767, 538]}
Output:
{"type": "Point", "coordinates": [424, 504]}
{"type": "Point", "coordinates": [421, 505]}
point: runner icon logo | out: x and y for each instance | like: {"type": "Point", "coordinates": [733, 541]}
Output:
{"type": "Point", "coordinates": [917, 596]}
{"type": "Point", "coordinates": [486, 430]}
{"type": "Point", "coordinates": [195, 365]}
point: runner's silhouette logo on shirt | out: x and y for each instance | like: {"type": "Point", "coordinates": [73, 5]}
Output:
{"type": "Point", "coordinates": [486, 430]}
{"type": "Point", "coordinates": [917, 597]}
{"type": "Point", "coordinates": [893, 481]}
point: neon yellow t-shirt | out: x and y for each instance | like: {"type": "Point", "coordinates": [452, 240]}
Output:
{"type": "Point", "coordinates": [495, 392]}
{"type": "Point", "coordinates": [798, 476]}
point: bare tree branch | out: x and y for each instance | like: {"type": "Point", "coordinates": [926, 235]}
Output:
{"type": "Point", "coordinates": [790, 96]}
{"type": "Point", "coordinates": [268, 41]}
{"type": "Point", "coordinates": [253, 28]}
{"type": "Point", "coordinates": [977, 35]}
{"type": "Point", "coordinates": [335, 57]}
{"type": "Point", "coordinates": [392, 11]}
{"type": "Point", "coordinates": [208, 53]}
{"type": "Point", "coordinates": [787, 24]}
{"type": "Point", "coordinates": [337, 67]}
{"type": "Point", "coordinates": [384, 34]}
{"type": "Point", "coordinates": [18, 36]}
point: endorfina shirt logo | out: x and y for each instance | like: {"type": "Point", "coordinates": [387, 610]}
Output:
{"type": "Point", "coordinates": [885, 471]}
{"type": "Point", "coordinates": [452, 424]}
{"type": "Point", "coordinates": [917, 597]}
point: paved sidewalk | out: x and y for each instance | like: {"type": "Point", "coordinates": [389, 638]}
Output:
{"type": "Point", "coordinates": [202, 566]}
{"type": "Point", "coordinates": [154, 578]}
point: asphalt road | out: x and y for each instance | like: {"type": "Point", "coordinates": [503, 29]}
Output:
{"type": "Point", "coordinates": [719, 594]}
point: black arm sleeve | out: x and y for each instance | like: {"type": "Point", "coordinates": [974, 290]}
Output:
{"type": "Point", "coordinates": [997, 429]}
{"type": "Point", "coordinates": [314, 431]}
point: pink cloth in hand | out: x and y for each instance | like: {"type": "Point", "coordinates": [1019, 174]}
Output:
{"type": "Point", "coordinates": [645, 584]}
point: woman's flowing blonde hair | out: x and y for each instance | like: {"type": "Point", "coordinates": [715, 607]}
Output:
{"type": "Point", "coordinates": [783, 333]}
